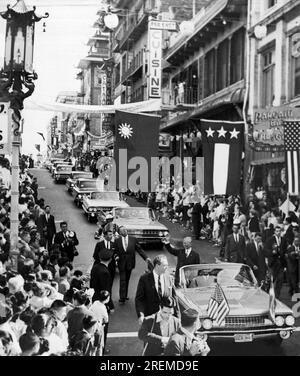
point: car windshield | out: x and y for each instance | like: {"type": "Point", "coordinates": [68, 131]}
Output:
{"type": "Point", "coordinates": [92, 184]}
{"type": "Point", "coordinates": [132, 213]}
{"type": "Point", "coordinates": [82, 175]}
{"type": "Point", "coordinates": [64, 168]}
{"type": "Point", "coordinates": [229, 276]}
{"type": "Point", "coordinates": [105, 196]}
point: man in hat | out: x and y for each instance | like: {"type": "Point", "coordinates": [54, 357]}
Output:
{"type": "Point", "coordinates": [101, 277]}
{"type": "Point", "coordinates": [184, 342]}
{"type": "Point", "coordinates": [185, 256]}
{"type": "Point", "coordinates": [107, 243]}
{"type": "Point", "coordinates": [235, 245]}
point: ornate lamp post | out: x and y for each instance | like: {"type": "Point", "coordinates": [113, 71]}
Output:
{"type": "Point", "coordinates": [16, 84]}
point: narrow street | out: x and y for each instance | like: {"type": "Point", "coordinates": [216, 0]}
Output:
{"type": "Point", "coordinates": [123, 322]}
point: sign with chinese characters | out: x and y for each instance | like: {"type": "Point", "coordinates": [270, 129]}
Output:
{"type": "Point", "coordinates": [4, 128]}
{"type": "Point", "coordinates": [266, 130]}
{"type": "Point", "coordinates": [155, 62]}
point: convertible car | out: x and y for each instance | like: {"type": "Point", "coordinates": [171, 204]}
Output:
{"type": "Point", "coordinates": [101, 202]}
{"type": "Point", "coordinates": [85, 187]}
{"type": "Point", "coordinates": [248, 318]}
{"type": "Point", "coordinates": [77, 175]}
{"type": "Point", "coordinates": [141, 223]}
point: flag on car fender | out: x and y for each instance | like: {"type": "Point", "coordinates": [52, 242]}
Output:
{"type": "Point", "coordinates": [272, 300]}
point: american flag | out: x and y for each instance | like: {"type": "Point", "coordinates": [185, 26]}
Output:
{"type": "Point", "coordinates": [272, 300]}
{"type": "Point", "coordinates": [218, 307]}
{"type": "Point", "coordinates": [292, 155]}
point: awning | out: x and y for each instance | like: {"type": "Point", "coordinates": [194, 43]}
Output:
{"type": "Point", "coordinates": [268, 161]}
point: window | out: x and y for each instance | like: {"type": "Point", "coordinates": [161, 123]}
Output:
{"type": "Point", "coordinates": [268, 69]}
{"type": "Point", "coordinates": [296, 76]}
{"type": "Point", "coordinates": [222, 65]}
{"type": "Point", "coordinates": [209, 78]}
{"type": "Point", "coordinates": [271, 3]}
{"type": "Point", "coordinates": [117, 74]}
{"type": "Point", "coordinates": [237, 56]}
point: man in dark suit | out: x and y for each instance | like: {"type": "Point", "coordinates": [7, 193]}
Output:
{"type": "Point", "coordinates": [152, 287]}
{"type": "Point", "coordinates": [107, 243]}
{"type": "Point", "coordinates": [292, 256]}
{"type": "Point", "coordinates": [184, 342]}
{"type": "Point", "coordinates": [46, 226]}
{"type": "Point", "coordinates": [101, 278]}
{"type": "Point", "coordinates": [126, 247]}
{"type": "Point", "coordinates": [196, 219]}
{"type": "Point", "coordinates": [275, 250]}
{"type": "Point", "coordinates": [185, 256]}
{"type": "Point", "coordinates": [255, 257]}
{"type": "Point", "coordinates": [235, 245]}
{"type": "Point", "coordinates": [157, 329]}
{"type": "Point", "coordinates": [67, 241]}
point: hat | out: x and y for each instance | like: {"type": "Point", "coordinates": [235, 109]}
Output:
{"type": "Point", "coordinates": [105, 254]}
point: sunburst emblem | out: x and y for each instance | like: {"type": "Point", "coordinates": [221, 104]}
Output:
{"type": "Point", "coordinates": [125, 130]}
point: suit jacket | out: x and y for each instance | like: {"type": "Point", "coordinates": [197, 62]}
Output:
{"type": "Point", "coordinates": [253, 224]}
{"type": "Point", "coordinates": [101, 280]}
{"type": "Point", "coordinates": [127, 258]}
{"type": "Point", "coordinates": [254, 257]}
{"type": "Point", "coordinates": [67, 247]}
{"type": "Point", "coordinates": [292, 259]}
{"type": "Point", "coordinates": [235, 252]}
{"type": "Point", "coordinates": [48, 225]}
{"type": "Point", "coordinates": [182, 260]}
{"type": "Point", "coordinates": [275, 254]}
{"type": "Point", "coordinates": [99, 247]}
{"type": "Point", "coordinates": [150, 333]}
{"type": "Point", "coordinates": [178, 345]}
{"type": "Point", "coordinates": [147, 299]}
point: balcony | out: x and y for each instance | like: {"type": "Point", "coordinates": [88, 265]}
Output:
{"type": "Point", "coordinates": [186, 100]}
{"type": "Point", "coordinates": [134, 71]}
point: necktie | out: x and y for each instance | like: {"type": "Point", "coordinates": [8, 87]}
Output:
{"type": "Point", "coordinates": [159, 290]}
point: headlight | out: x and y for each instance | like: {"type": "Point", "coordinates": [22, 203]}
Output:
{"type": "Point", "coordinates": [166, 233]}
{"type": "Point", "coordinates": [160, 233]}
{"type": "Point", "coordinates": [290, 320]}
{"type": "Point", "coordinates": [279, 321]}
{"type": "Point", "coordinates": [90, 209]}
{"type": "Point", "coordinates": [79, 196]}
{"type": "Point", "coordinates": [95, 209]}
{"type": "Point", "coordinates": [207, 324]}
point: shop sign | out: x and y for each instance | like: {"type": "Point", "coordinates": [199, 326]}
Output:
{"type": "Point", "coordinates": [266, 131]}
{"type": "Point", "coordinates": [155, 63]}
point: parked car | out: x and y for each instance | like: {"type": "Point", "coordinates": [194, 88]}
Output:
{"type": "Point", "coordinates": [85, 187]}
{"type": "Point", "coordinates": [77, 175]}
{"type": "Point", "coordinates": [62, 172]}
{"type": "Point", "coordinates": [101, 201]}
{"type": "Point", "coordinates": [248, 319]}
{"type": "Point", "coordinates": [141, 223]}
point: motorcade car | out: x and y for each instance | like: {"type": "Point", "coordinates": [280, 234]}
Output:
{"type": "Point", "coordinates": [70, 182]}
{"type": "Point", "coordinates": [62, 172]}
{"type": "Point", "coordinates": [85, 187]}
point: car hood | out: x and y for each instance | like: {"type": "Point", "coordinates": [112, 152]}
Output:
{"type": "Point", "coordinates": [140, 224]}
{"type": "Point", "coordinates": [242, 301]}
{"type": "Point", "coordinates": [109, 203]}
{"type": "Point", "coordinates": [84, 190]}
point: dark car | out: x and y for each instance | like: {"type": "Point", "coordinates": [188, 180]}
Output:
{"type": "Point", "coordinates": [85, 187]}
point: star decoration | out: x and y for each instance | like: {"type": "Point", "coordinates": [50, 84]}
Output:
{"type": "Point", "coordinates": [210, 132]}
{"type": "Point", "coordinates": [125, 130]}
{"type": "Point", "coordinates": [222, 132]}
{"type": "Point", "coordinates": [234, 133]}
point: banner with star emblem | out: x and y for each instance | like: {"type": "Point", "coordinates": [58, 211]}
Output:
{"type": "Point", "coordinates": [138, 135]}
{"type": "Point", "coordinates": [223, 143]}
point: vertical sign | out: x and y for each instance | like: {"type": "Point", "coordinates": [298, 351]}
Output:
{"type": "Point", "coordinates": [4, 127]}
{"type": "Point", "coordinates": [103, 96]}
{"type": "Point", "coordinates": [155, 61]}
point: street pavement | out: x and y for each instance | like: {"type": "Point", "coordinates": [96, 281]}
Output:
{"type": "Point", "coordinates": [123, 326]}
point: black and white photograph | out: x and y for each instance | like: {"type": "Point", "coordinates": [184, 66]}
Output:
{"type": "Point", "coordinates": [149, 180]}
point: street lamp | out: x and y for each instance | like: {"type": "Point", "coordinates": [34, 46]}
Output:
{"type": "Point", "coordinates": [16, 84]}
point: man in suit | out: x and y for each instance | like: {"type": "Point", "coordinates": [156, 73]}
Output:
{"type": "Point", "coordinates": [126, 247]}
{"type": "Point", "coordinates": [100, 276]}
{"type": "Point", "coordinates": [292, 256]}
{"type": "Point", "coordinates": [67, 241]}
{"type": "Point", "coordinates": [157, 329]}
{"type": "Point", "coordinates": [196, 219]}
{"type": "Point", "coordinates": [46, 226]}
{"type": "Point", "coordinates": [107, 243]}
{"type": "Point", "coordinates": [152, 287]}
{"type": "Point", "coordinates": [235, 245]}
{"type": "Point", "coordinates": [185, 256]}
{"type": "Point", "coordinates": [255, 257]}
{"type": "Point", "coordinates": [184, 342]}
{"type": "Point", "coordinates": [275, 250]}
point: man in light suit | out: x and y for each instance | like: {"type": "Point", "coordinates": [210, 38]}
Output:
{"type": "Point", "coordinates": [126, 248]}
{"type": "Point", "coordinates": [235, 245]}
{"type": "Point", "coordinates": [185, 256]}
{"type": "Point", "coordinates": [152, 287]}
{"type": "Point", "coordinates": [46, 226]}
{"type": "Point", "coordinates": [157, 329]}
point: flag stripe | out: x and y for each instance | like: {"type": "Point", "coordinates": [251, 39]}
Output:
{"type": "Point", "coordinates": [220, 169]}
{"type": "Point", "coordinates": [292, 154]}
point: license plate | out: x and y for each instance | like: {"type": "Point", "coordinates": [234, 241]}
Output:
{"type": "Point", "coordinates": [243, 337]}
